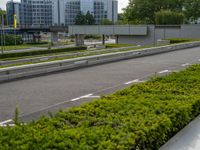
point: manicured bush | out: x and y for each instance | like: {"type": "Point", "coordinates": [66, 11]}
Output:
{"type": "Point", "coordinates": [37, 43]}
{"type": "Point", "coordinates": [40, 52]}
{"type": "Point", "coordinates": [10, 39]}
{"type": "Point", "coordinates": [118, 45]}
{"type": "Point", "coordinates": [143, 116]}
{"type": "Point", "coordinates": [180, 40]}
{"type": "Point", "coordinates": [168, 17]}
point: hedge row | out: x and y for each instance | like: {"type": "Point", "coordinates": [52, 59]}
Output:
{"type": "Point", "coordinates": [143, 116]}
{"type": "Point", "coordinates": [10, 39]}
{"type": "Point", "coordinates": [40, 52]}
{"type": "Point", "coordinates": [179, 40]}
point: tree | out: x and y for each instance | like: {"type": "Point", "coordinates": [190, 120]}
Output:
{"type": "Point", "coordinates": [106, 21]}
{"type": "Point", "coordinates": [80, 19]}
{"type": "Point", "coordinates": [3, 12]}
{"type": "Point", "coordinates": [121, 19]}
{"type": "Point", "coordinates": [90, 18]}
{"type": "Point", "coordinates": [191, 10]}
{"type": "Point", "coordinates": [168, 17]}
{"type": "Point", "coordinates": [143, 11]}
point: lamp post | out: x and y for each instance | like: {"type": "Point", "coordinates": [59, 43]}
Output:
{"type": "Point", "coordinates": [2, 36]}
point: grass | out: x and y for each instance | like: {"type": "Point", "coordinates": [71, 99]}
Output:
{"type": "Point", "coordinates": [27, 46]}
{"type": "Point", "coordinates": [67, 57]}
{"type": "Point", "coordinates": [118, 45]}
{"type": "Point", "coordinates": [143, 116]}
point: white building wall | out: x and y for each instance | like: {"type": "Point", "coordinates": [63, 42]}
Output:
{"type": "Point", "coordinates": [55, 18]}
{"type": "Point", "coordinates": [87, 5]}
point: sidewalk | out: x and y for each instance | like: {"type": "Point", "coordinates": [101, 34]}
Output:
{"type": "Point", "coordinates": [186, 139]}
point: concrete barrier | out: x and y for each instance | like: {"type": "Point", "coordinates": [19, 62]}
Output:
{"type": "Point", "coordinates": [16, 72]}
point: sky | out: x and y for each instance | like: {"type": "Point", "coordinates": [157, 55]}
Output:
{"type": "Point", "coordinates": [122, 4]}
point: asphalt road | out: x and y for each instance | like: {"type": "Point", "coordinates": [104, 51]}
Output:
{"type": "Point", "coordinates": [36, 96]}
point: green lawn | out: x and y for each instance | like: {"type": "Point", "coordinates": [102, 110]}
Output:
{"type": "Point", "coordinates": [67, 57]}
{"type": "Point", "coordinates": [118, 45]}
{"type": "Point", "coordinates": [143, 116]}
{"type": "Point", "coordinates": [26, 46]}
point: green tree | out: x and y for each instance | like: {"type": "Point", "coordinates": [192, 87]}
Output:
{"type": "Point", "coordinates": [106, 21]}
{"type": "Point", "coordinates": [168, 17]}
{"type": "Point", "coordinates": [143, 11]}
{"type": "Point", "coordinates": [191, 10]}
{"type": "Point", "coordinates": [80, 19]}
{"type": "Point", "coordinates": [121, 19]}
{"type": "Point", "coordinates": [3, 12]}
{"type": "Point", "coordinates": [90, 18]}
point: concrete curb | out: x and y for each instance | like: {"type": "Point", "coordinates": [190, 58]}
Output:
{"type": "Point", "coordinates": [11, 73]}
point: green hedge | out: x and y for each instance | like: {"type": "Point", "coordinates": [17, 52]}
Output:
{"type": "Point", "coordinates": [10, 40]}
{"type": "Point", "coordinates": [40, 52]}
{"type": "Point", "coordinates": [143, 116]}
{"type": "Point", "coordinates": [168, 17]}
{"type": "Point", "coordinates": [36, 43]}
{"type": "Point", "coordinates": [180, 40]}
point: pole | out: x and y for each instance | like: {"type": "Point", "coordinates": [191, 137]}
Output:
{"type": "Point", "coordinates": [15, 38]}
{"type": "Point", "coordinates": [4, 36]}
{"type": "Point", "coordinates": [1, 35]}
{"type": "Point", "coordinates": [15, 27]}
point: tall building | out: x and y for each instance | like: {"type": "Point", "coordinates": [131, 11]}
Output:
{"type": "Point", "coordinates": [36, 12]}
{"type": "Point", "coordinates": [13, 8]}
{"type": "Point", "coordinates": [100, 9]}
{"type": "Point", "coordinates": [59, 12]}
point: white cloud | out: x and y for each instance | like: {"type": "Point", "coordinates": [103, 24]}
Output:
{"type": "Point", "coordinates": [122, 4]}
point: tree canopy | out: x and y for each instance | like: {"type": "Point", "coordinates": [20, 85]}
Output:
{"type": "Point", "coordinates": [82, 19]}
{"type": "Point", "coordinates": [3, 12]}
{"type": "Point", "coordinates": [144, 11]}
{"type": "Point", "coordinates": [106, 21]}
{"type": "Point", "coordinates": [168, 17]}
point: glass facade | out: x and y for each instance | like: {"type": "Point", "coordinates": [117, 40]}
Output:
{"type": "Point", "coordinates": [71, 11]}
{"type": "Point", "coordinates": [13, 8]}
{"type": "Point", "coordinates": [59, 12]}
{"type": "Point", "coordinates": [100, 9]}
{"type": "Point", "coordinates": [37, 12]}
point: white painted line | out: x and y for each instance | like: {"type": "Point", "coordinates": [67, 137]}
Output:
{"type": "Point", "coordinates": [81, 97]}
{"type": "Point", "coordinates": [164, 71]}
{"type": "Point", "coordinates": [75, 99]}
{"type": "Point", "coordinates": [198, 59]}
{"type": "Point", "coordinates": [134, 81]}
{"type": "Point", "coordinates": [186, 64]}
{"type": "Point", "coordinates": [5, 125]}
{"type": "Point", "coordinates": [5, 122]}
{"type": "Point", "coordinates": [94, 97]}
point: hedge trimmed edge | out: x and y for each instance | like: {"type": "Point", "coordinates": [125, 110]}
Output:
{"type": "Point", "coordinates": [40, 52]}
{"type": "Point", "coordinates": [143, 116]}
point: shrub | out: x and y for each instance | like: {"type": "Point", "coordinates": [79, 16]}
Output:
{"type": "Point", "coordinates": [168, 17]}
{"type": "Point", "coordinates": [143, 116]}
{"type": "Point", "coordinates": [10, 40]}
{"type": "Point", "coordinates": [36, 43]}
{"type": "Point", "coordinates": [40, 52]}
{"type": "Point", "coordinates": [180, 40]}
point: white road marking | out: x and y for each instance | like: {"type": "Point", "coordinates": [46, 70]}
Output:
{"type": "Point", "coordinates": [5, 122]}
{"type": "Point", "coordinates": [186, 64]}
{"type": "Point", "coordinates": [5, 125]}
{"type": "Point", "coordinates": [81, 97]}
{"type": "Point", "coordinates": [164, 71]}
{"type": "Point", "coordinates": [134, 81]}
{"type": "Point", "coordinates": [94, 97]}
{"type": "Point", "coordinates": [198, 59]}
